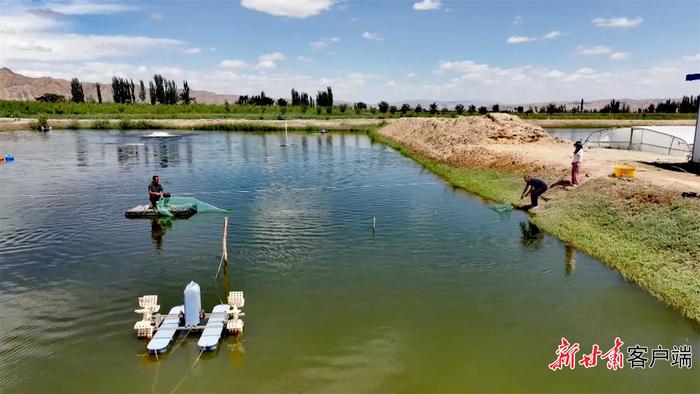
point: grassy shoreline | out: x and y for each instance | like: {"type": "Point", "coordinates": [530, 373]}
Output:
{"type": "Point", "coordinates": [643, 233]}
{"type": "Point", "coordinates": [250, 125]}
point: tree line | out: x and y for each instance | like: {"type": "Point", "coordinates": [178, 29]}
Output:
{"type": "Point", "coordinates": [164, 91]}
{"type": "Point", "coordinates": [124, 91]}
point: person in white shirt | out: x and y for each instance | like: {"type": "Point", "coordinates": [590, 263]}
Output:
{"type": "Point", "coordinates": [576, 164]}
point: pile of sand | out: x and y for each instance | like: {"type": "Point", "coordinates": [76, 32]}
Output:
{"type": "Point", "coordinates": [461, 140]}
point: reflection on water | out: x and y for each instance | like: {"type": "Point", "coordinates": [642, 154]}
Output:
{"type": "Point", "coordinates": [570, 259]}
{"type": "Point", "coordinates": [158, 229]}
{"type": "Point", "coordinates": [428, 303]}
{"type": "Point", "coordinates": [531, 235]}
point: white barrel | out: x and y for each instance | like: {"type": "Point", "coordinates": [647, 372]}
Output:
{"type": "Point", "coordinates": [193, 304]}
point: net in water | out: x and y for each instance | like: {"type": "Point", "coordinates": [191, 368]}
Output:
{"type": "Point", "coordinates": [165, 204]}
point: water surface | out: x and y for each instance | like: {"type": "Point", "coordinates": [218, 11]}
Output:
{"type": "Point", "coordinates": [447, 295]}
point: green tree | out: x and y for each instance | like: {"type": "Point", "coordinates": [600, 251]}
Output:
{"type": "Point", "coordinates": [76, 91]}
{"type": "Point", "coordinates": [393, 109]}
{"type": "Point", "coordinates": [132, 92]}
{"type": "Point", "coordinates": [152, 92]}
{"type": "Point", "coordinates": [383, 106]}
{"type": "Point", "coordinates": [99, 93]}
{"type": "Point", "coordinates": [142, 91]}
{"type": "Point", "coordinates": [51, 98]}
{"type": "Point", "coordinates": [483, 110]}
{"type": "Point", "coordinates": [405, 108]}
{"type": "Point", "coordinates": [495, 108]}
{"type": "Point", "coordinates": [342, 108]}
{"type": "Point", "coordinates": [520, 109]}
{"type": "Point", "coordinates": [459, 108]}
{"type": "Point", "coordinates": [185, 97]}
{"type": "Point", "coordinates": [227, 106]}
{"type": "Point", "coordinates": [325, 98]}
{"type": "Point", "coordinates": [418, 109]}
{"type": "Point", "coordinates": [433, 108]}
{"type": "Point", "coordinates": [472, 109]}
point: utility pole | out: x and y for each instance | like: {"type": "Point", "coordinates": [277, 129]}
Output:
{"type": "Point", "coordinates": [696, 142]}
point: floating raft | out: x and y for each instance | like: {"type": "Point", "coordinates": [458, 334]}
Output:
{"type": "Point", "coordinates": [166, 331]}
{"type": "Point", "coordinates": [145, 211]}
{"type": "Point", "coordinates": [215, 326]}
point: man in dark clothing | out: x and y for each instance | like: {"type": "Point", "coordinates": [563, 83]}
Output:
{"type": "Point", "coordinates": [155, 191]}
{"type": "Point", "coordinates": [535, 188]}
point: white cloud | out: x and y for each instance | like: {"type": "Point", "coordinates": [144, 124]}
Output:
{"type": "Point", "coordinates": [523, 39]}
{"type": "Point", "coordinates": [518, 20]}
{"type": "Point", "coordinates": [619, 22]}
{"type": "Point", "coordinates": [289, 8]}
{"type": "Point", "coordinates": [156, 16]}
{"type": "Point", "coordinates": [519, 39]}
{"type": "Point", "coordinates": [530, 83]}
{"type": "Point", "coordinates": [427, 5]}
{"type": "Point", "coordinates": [89, 8]}
{"type": "Point", "coordinates": [551, 35]}
{"type": "Point", "coordinates": [372, 36]}
{"type": "Point", "coordinates": [324, 43]}
{"type": "Point", "coordinates": [192, 51]}
{"type": "Point", "coordinates": [619, 55]}
{"type": "Point", "coordinates": [234, 64]}
{"type": "Point", "coordinates": [304, 59]}
{"type": "Point", "coordinates": [75, 47]}
{"type": "Point", "coordinates": [273, 57]}
{"type": "Point", "coordinates": [266, 61]}
{"type": "Point", "coordinates": [691, 58]}
{"type": "Point", "coordinates": [595, 50]}
{"type": "Point", "coordinates": [410, 75]}
{"type": "Point", "coordinates": [40, 35]}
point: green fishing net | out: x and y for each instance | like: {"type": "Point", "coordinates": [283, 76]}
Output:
{"type": "Point", "coordinates": [165, 204]}
{"type": "Point", "coordinates": [502, 208]}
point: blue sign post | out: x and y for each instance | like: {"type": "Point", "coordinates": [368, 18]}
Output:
{"type": "Point", "coordinates": [696, 143]}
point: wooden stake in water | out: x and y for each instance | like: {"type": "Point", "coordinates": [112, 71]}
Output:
{"type": "Point", "coordinates": [374, 224]}
{"type": "Point", "coordinates": [224, 247]}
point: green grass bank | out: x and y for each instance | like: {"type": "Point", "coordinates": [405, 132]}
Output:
{"type": "Point", "coordinates": [649, 235]}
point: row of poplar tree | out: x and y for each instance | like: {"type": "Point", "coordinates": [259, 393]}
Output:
{"type": "Point", "coordinates": [160, 91]}
{"type": "Point", "coordinates": [324, 98]}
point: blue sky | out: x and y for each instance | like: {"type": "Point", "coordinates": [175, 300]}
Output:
{"type": "Point", "coordinates": [506, 51]}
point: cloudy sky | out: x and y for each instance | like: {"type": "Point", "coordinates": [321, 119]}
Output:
{"type": "Point", "coordinates": [506, 51]}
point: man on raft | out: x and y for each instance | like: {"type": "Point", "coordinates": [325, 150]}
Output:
{"type": "Point", "coordinates": [155, 191]}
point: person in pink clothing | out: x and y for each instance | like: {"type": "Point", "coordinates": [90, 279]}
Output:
{"type": "Point", "coordinates": [576, 164]}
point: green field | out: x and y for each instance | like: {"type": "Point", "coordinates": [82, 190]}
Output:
{"type": "Point", "coordinates": [68, 110]}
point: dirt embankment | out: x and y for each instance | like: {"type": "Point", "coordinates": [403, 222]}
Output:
{"type": "Point", "coordinates": [505, 142]}
{"type": "Point", "coordinates": [466, 141]}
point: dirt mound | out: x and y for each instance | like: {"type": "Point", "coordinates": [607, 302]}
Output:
{"type": "Point", "coordinates": [461, 140]}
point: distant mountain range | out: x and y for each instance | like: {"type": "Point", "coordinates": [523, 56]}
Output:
{"type": "Point", "coordinates": [15, 86]}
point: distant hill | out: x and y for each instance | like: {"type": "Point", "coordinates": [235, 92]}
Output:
{"type": "Point", "coordinates": [15, 86]}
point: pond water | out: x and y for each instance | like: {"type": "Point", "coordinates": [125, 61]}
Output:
{"type": "Point", "coordinates": [447, 296]}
